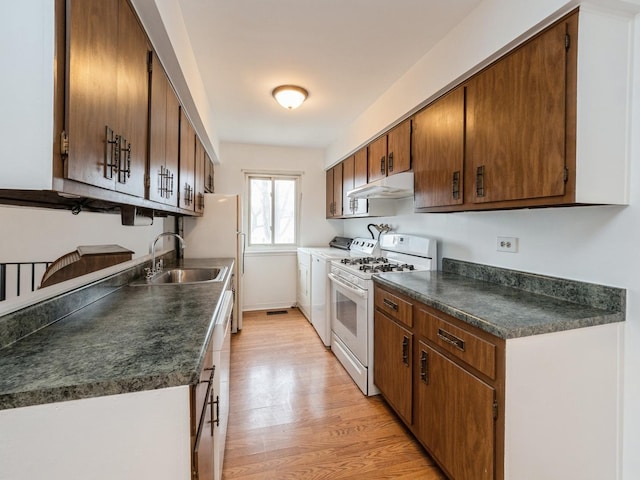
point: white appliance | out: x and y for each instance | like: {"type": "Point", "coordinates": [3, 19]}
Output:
{"type": "Point", "coordinates": [218, 234]}
{"type": "Point", "coordinates": [320, 263]}
{"type": "Point", "coordinates": [351, 296]}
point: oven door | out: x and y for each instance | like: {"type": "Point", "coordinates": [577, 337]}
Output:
{"type": "Point", "coordinates": [349, 316]}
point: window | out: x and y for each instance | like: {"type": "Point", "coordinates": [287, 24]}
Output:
{"type": "Point", "coordinates": [272, 211]}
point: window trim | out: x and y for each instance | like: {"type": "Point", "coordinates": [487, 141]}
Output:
{"type": "Point", "coordinates": [296, 177]}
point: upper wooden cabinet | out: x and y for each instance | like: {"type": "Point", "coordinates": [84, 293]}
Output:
{"type": "Point", "coordinates": [164, 131]}
{"type": "Point", "coordinates": [208, 174]}
{"type": "Point", "coordinates": [199, 178]}
{"type": "Point", "coordinates": [186, 182]}
{"type": "Point", "coordinates": [437, 147]}
{"type": "Point", "coordinates": [390, 153]}
{"type": "Point", "coordinates": [354, 174]}
{"type": "Point", "coordinates": [334, 191]}
{"type": "Point", "coordinates": [517, 122]}
{"type": "Point", "coordinates": [360, 170]}
{"type": "Point", "coordinates": [107, 96]}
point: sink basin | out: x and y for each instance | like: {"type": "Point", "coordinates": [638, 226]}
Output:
{"type": "Point", "coordinates": [182, 276]}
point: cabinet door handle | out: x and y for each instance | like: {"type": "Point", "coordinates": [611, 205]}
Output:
{"type": "Point", "coordinates": [451, 339]}
{"type": "Point", "coordinates": [455, 185]}
{"type": "Point", "coordinates": [217, 420]}
{"type": "Point", "coordinates": [111, 153]}
{"type": "Point", "coordinates": [382, 170]}
{"type": "Point", "coordinates": [424, 367]}
{"type": "Point", "coordinates": [480, 181]}
{"type": "Point", "coordinates": [390, 304]}
{"type": "Point", "coordinates": [391, 162]}
{"type": "Point", "coordinates": [124, 158]}
{"type": "Point", "coordinates": [405, 350]}
{"type": "Point", "coordinates": [211, 402]}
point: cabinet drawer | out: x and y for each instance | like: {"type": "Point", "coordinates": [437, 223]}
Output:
{"type": "Point", "coordinates": [394, 306]}
{"type": "Point", "coordinates": [473, 350]}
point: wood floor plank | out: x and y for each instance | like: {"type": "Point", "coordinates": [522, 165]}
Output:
{"type": "Point", "coordinates": [296, 414]}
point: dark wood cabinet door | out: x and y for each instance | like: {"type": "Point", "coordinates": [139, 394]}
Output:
{"type": "Point", "coordinates": [157, 131]}
{"type": "Point", "coordinates": [438, 152]}
{"type": "Point", "coordinates": [348, 173]}
{"type": "Point", "coordinates": [199, 176]}
{"type": "Point", "coordinates": [515, 144]}
{"type": "Point", "coordinates": [377, 159]}
{"type": "Point", "coordinates": [132, 101]}
{"type": "Point", "coordinates": [398, 148]}
{"type": "Point", "coordinates": [392, 370]}
{"type": "Point", "coordinates": [172, 146]}
{"type": "Point", "coordinates": [208, 174]}
{"type": "Point", "coordinates": [91, 90]}
{"type": "Point", "coordinates": [360, 168]}
{"type": "Point", "coordinates": [187, 163]}
{"type": "Point", "coordinates": [329, 193]}
{"type": "Point", "coordinates": [337, 190]}
{"type": "Point", "coordinates": [454, 416]}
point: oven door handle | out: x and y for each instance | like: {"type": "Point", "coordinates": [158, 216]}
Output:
{"type": "Point", "coordinates": [352, 288]}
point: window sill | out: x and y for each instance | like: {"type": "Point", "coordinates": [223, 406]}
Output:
{"type": "Point", "coordinates": [267, 252]}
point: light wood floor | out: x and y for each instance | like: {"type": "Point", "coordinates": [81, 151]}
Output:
{"type": "Point", "coordinates": [296, 414]}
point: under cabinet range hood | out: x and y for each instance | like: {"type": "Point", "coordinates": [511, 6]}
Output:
{"type": "Point", "coordinates": [399, 185]}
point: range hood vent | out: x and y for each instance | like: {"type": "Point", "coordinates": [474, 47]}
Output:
{"type": "Point", "coordinates": [399, 185]}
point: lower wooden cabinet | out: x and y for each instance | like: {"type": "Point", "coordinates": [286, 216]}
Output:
{"type": "Point", "coordinates": [393, 368]}
{"type": "Point", "coordinates": [445, 380]}
{"type": "Point", "coordinates": [454, 416]}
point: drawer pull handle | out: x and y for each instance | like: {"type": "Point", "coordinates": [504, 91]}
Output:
{"type": "Point", "coordinates": [390, 304]}
{"type": "Point", "coordinates": [405, 350]}
{"type": "Point", "coordinates": [451, 339]}
{"type": "Point", "coordinates": [424, 367]}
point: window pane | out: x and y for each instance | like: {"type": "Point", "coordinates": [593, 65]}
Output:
{"type": "Point", "coordinates": [260, 211]}
{"type": "Point", "coordinates": [284, 211]}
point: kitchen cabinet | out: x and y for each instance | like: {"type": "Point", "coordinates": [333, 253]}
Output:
{"type": "Point", "coordinates": [304, 283]}
{"type": "Point", "coordinates": [437, 146]}
{"type": "Point", "coordinates": [393, 364]}
{"type": "Point", "coordinates": [208, 174]}
{"type": "Point", "coordinates": [454, 411]}
{"type": "Point", "coordinates": [334, 191]}
{"type": "Point", "coordinates": [390, 153]}
{"type": "Point", "coordinates": [199, 178]}
{"type": "Point", "coordinates": [516, 121]}
{"type": "Point", "coordinates": [164, 131]}
{"type": "Point", "coordinates": [354, 174]}
{"type": "Point", "coordinates": [202, 398]}
{"type": "Point", "coordinates": [444, 380]}
{"type": "Point", "coordinates": [93, 93]}
{"type": "Point", "coordinates": [535, 128]}
{"type": "Point", "coordinates": [187, 164]}
{"type": "Point", "coordinates": [107, 96]}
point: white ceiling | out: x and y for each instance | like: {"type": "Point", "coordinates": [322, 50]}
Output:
{"type": "Point", "coordinates": [346, 53]}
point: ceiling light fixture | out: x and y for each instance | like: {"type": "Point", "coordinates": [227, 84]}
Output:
{"type": "Point", "coordinates": [290, 96]}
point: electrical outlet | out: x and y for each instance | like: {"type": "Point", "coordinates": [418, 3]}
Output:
{"type": "Point", "coordinates": [507, 244]}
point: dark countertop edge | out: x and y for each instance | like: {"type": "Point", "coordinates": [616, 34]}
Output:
{"type": "Point", "coordinates": [492, 328]}
{"type": "Point", "coordinates": [67, 393]}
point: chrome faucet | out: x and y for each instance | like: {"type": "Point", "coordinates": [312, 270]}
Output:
{"type": "Point", "coordinates": [157, 267]}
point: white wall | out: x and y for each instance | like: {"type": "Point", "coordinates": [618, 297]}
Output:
{"type": "Point", "coordinates": [593, 244]}
{"type": "Point", "coordinates": [270, 280]}
{"type": "Point", "coordinates": [33, 234]}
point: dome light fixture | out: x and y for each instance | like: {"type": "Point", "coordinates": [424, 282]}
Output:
{"type": "Point", "coordinates": [290, 96]}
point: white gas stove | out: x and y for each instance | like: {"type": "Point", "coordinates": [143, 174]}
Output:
{"type": "Point", "coordinates": [352, 295]}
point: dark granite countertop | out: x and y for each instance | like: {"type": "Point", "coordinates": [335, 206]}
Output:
{"type": "Point", "coordinates": [510, 304]}
{"type": "Point", "coordinates": [136, 338]}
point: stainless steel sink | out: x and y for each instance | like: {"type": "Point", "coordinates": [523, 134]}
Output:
{"type": "Point", "coordinates": [187, 275]}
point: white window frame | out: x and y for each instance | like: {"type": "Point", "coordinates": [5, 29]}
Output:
{"type": "Point", "coordinates": [297, 196]}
